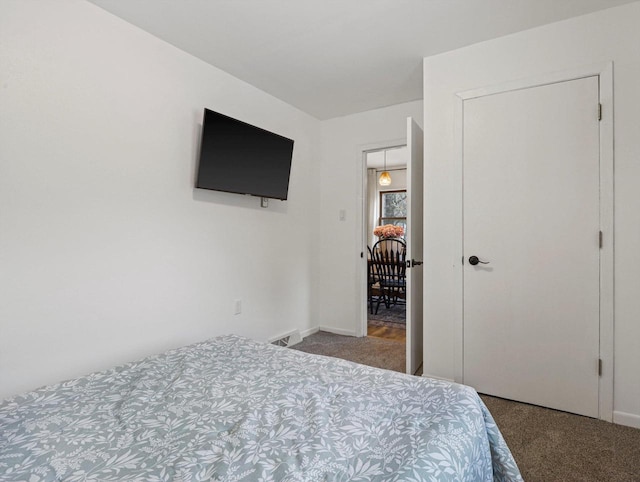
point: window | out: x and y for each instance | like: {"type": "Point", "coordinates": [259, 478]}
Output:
{"type": "Point", "coordinates": [393, 208]}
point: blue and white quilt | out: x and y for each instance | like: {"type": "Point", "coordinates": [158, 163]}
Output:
{"type": "Point", "coordinates": [232, 409]}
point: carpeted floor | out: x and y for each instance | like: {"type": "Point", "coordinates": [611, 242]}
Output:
{"type": "Point", "coordinates": [374, 352]}
{"type": "Point", "coordinates": [548, 445]}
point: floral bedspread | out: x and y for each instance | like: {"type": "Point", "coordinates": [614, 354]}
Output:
{"type": "Point", "coordinates": [232, 409]}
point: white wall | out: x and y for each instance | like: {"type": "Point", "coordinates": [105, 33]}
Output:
{"type": "Point", "coordinates": [107, 252]}
{"type": "Point", "coordinates": [398, 180]}
{"type": "Point", "coordinates": [604, 36]}
{"type": "Point", "coordinates": [340, 244]}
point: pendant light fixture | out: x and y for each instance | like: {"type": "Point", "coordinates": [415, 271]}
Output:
{"type": "Point", "coordinates": [385, 177]}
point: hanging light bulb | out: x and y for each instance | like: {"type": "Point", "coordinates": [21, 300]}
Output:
{"type": "Point", "coordinates": [385, 177]}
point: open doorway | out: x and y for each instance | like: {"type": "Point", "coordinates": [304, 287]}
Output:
{"type": "Point", "coordinates": [412, 237]}
{"type": "Point", "coordinates": [385, 231]}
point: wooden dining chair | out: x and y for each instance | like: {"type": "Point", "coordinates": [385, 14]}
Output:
{"type": "Point", "coordinates": [390, 265]}
{"type": "Point", "coordinates": [374, 292]}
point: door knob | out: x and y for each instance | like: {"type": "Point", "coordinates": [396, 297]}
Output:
{"type": "Point", "coordinates": [473, 260]}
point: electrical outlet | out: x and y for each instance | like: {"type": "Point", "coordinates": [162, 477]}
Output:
{"type": "Point", "coordinates": [237, 307]}
{"type": "Point", "coordinates": [342, 215]}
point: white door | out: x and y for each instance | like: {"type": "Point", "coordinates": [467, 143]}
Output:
{"type": "Point", "coordinates": [531, 211]}
{"type": "Point", "coordinates": [414, 245]}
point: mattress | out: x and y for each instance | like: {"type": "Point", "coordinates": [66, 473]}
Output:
{"type": "Point", "coordinates": [233, 409]}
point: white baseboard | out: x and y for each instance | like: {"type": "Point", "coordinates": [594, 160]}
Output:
{"type": "Point", "coordinates": [310, 331]}
{"type": "Point", "coordinates": [628, 419]}
{"type": "Point", "coordinates": [426, 375]}
{"type": "Point", "coordinates": [338, 331]}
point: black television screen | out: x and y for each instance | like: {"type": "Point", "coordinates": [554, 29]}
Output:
{"type": "Point", "coordinates": [240, 158]}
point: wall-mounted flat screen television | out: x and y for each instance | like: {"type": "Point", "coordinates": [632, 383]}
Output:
{"type": "Point", "coordinates": [240, 158]}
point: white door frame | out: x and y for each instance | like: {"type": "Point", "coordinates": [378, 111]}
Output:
{"type": "Point", "coordinates": [604, 71]}
{"type": "Point", "coordinates": [361, 221]}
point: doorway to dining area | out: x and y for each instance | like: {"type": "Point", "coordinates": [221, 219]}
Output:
{"type": "Point", "coordinates": [386, 228]}
{"type": "Point", "coordinates": [390, 261]}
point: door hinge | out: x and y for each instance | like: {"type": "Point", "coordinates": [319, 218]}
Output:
{"type": "Point", "coordinates": [599, 367]}
{"type": "Point", "coordinates": [599, 112]}
{"type": "Point", "coordinates": [600, 241]}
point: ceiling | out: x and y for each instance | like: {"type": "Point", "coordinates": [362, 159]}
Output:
{"type": "Point", "coordinates": [335, 57]}
{"type": "Point", "coordinates": [396, 157]}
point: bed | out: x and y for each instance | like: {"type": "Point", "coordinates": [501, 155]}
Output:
{"type": "Point", "coordinates": [232, 409]}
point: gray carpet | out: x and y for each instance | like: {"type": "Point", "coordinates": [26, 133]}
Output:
{"type": "Point", "coordinates": [374, 352]}
{"type": "Point", "coordinates": [548, 445]}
